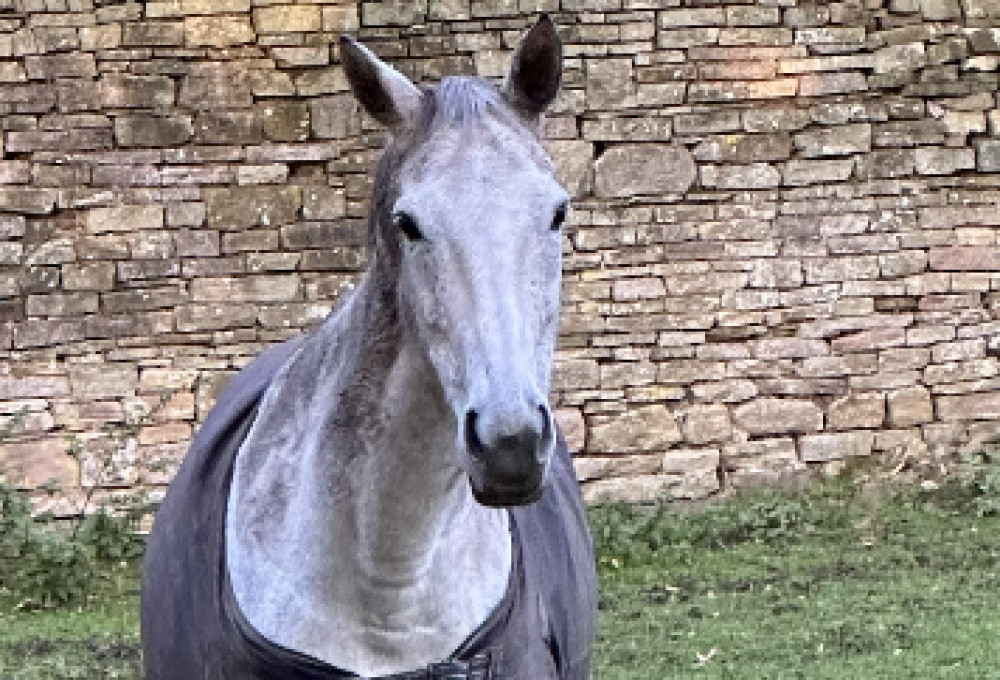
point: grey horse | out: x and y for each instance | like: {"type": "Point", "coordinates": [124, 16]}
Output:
{"type": "Point", "coordinates": [389, 495]}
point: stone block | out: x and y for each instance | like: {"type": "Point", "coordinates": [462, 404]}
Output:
{"type": "Point", "coordinates": [835, 141]}
{"type": "Point", "coordinates": [940, 10]}
{"type": "Point", "coordinates": [153, 34]}
{"type": "Point", "coordinates": [609, 83]}
{"type": "Point", "coordinates": [965, 258]}
{"type": "Point", "coordinates": [228, 127]}
{"type": "Point", "coordinates": [245, 207]}
{"type": "Point", "coordinates": [335, 117]}
{"type": "Point", "coordinates": [103, 381]}
{"type": "Point", "coordinates": [345, 19]}
{"type": "Point", "coordinates": [976, 406]}
{"type": "Point", "coordinates": [753, 176]}
{"type": "Point", "coordinates": [218, 31]}
{"type": "Point", "coordinates": [726, 120]}
{"type": "Point", "coordinates": [776, 416]}
{"type": "Point", "coordinates": [910, 406]}
{"type": "Point", "coordinates": [760, 119]}
{"type": "Point", "coordinates": [61, 304]}
{"type": "Point", "coordinates": [575, 374]}
{"type": "Point", "coordinates": [574, 162]}
{"type": "Point", "coordinates": [708, 423]}
{"type": "Point", "coordinates": [628, 170]}
{"type": "Point", "coordinates": [60, 65]}
{"type": "Point", "coordinates": [908, 133]}
{"type": "Point", "coordinates": [823, 84]}
{"type": "Point", "coordinates": [744, 148]}
{"type": "Point", "coordinates": [649, 428]}
{"type": "Point", "coordinates": [856, 411]}
{"type": "Point", "coordinates": [941, 161]}
{"type": "Point", "coordinates": [886, 164]}
{"type": "Point", "coordinates": [823, 448]}
{"type": "Point", "coordinates": [692, 16]}
{"type": "Point", "coordinates": [197, 318]}
{"type": "Point", "coordinates": [988, 154]}
{"type": "Point", "coordinates": [573, 427]}
{"type": "Point", "coordinates": [152, 131]}
{"type": "Point", "coordinates": [285, 121]}
{"type": "Point", "coordinates": [123, 218]}
{"type": "Point", "coordinates": [14, 387]}
{"type": "Point", "coordinates": [39, 462]}
{"type": "Point", "coordinates": [628, 129]}
{"type": "Point", "coordinates": [289, 19]}
{"type": "Point", "coordinates": [262, 288]}
{"type": "Point", "coordinates": [324, 203]}
{"type": "Point", "coordinates": [739, 90]}
{"type": "Point", "coordinates": [805, 172]}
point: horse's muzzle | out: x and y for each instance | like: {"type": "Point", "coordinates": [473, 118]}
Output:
{"type": "Point", "coordinates": [508, 454]}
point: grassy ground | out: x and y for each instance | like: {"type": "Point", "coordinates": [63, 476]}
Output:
{"type": "Point", "coordinates": [828, 584]}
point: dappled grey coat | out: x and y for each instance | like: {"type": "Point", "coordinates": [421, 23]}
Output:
{"type": "Point", "coordinates": [192, 627]}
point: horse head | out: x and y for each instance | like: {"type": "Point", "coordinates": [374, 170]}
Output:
{"type": "Point", "coordinates": [467, 217]}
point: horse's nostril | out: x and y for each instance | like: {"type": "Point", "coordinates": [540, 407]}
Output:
{"type": "Point", "coordinates": [472, 439]}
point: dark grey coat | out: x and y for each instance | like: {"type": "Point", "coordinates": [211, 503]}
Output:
{"type": "Point", "coordinates": [192, 628]}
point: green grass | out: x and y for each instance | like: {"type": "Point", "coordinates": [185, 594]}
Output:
{"type": "Point", "coordinates": [909, 589]}
{"type": "Point", "coordinates": [828, 583]}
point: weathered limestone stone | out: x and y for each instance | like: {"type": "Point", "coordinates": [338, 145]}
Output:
{"type": "Point", "coordinates": [153, 34]}
{"type": "Point", "coordinates": [760, 461]}
{"type": "Point", "coordinates": [698, 470]}
{"type": "Point", "coordinates": [288, 19]}
{"type": "Point", "coordinates": [775, 416]}
{"type": "Point", "coordinates": [637, 489]}
{"type": "Point", "coordinates": [940, 10]}
{"type": "Point", "coordinates": [244, 207]}
{"type": "Point", "coordinates": [335, 117]}
{"type": "Point", "coordinates": [33, 387]}
{"type": "Point", "coordinates": [631, 169]}
{"type": "Point", "coordinates": [649, 428]}
{"type": "Point", "coordinates": [572, 374]}
{"type": "Point", "coordinates": [152, 131]}
{"type": "Point", "coordinates": [803, 172]}
{"type": "Point", "coordinates": [988, 154]}
{"type": "Point", "coordinates": [910, 406]}
{"type": "Point", "coordinates": [705, 424]}
{"type": "Point", "coordinates": [737, 90]}
{"type": "Point", "coordinates": [261, 288]}
{"type": "Point", "coordinates": [103, 381]}
{"type": "Point", "coordinates": [744, 148]}
{"type": "Point", "coordinates": [864, 410]}
{"type": "Point", "coordinates": [35, 463]}
{"type": "Point", "coordinates": [285, 121]}
{"type": "Point", "coordinates": [965, 258]}
{"type": "Point", "coordinates": [822, 448]}
{"type": "Point", "coordinates": [124, 218]}
{"type": "Point", "coordinates": [228, 127]}
{"type": "Point", "coordinates": [822, 84]}
{"type": "Point", "coordinates": [835, 141]}
{"type": "Point", "coordinates": [976, 406]}
{"type": "Point", "coordinates": [610, 83]}
{"type": "Point", "coordinates": [218, 31]}
{"type": "Point", "coordinates": [573, 427]}
{"type": "Point", "coordinates": [574, 161]}
{"type": "Point", "coordinates": [940, 161]}
{"type": "Point", "coordinates": [753, 176]}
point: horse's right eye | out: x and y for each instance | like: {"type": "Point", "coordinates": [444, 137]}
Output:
{"type": "Point", "coordinates": [406, 224]}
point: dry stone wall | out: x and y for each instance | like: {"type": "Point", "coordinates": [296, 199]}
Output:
{"type": "Point", "coordinates": [783, 253]}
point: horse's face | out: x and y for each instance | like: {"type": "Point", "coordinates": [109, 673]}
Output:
{"type": "Point", "coordinates": [478, 222]}
{"type": "Point", "coordinates": [472, 218]}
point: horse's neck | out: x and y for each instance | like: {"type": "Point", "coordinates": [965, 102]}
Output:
{"type": "Point", "coordinates": [351, 532]}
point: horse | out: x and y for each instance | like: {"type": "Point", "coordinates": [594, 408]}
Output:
{"type": "Point", "coordinates": [389, 495]}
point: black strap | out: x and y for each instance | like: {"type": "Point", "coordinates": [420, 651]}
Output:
{"type": "Point", "coordinates": [476, 668]}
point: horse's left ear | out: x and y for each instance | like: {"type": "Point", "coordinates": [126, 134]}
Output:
{"type": "Point", "coordinates": [536, 70]}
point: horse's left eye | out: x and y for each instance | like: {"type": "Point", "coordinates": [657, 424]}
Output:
{"type": "Point", "coordinates": [559, 217]}
{"type": "Point", "coordinates": [406, 224]}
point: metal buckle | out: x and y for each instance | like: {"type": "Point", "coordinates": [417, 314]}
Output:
{"type": "Point", "coordinates": [476, 668]}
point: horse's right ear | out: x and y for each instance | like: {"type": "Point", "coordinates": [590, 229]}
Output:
{"type": "Point", "coordinates": [536, 70]}
{"type": "Point", "coordinates": [384, 92]}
